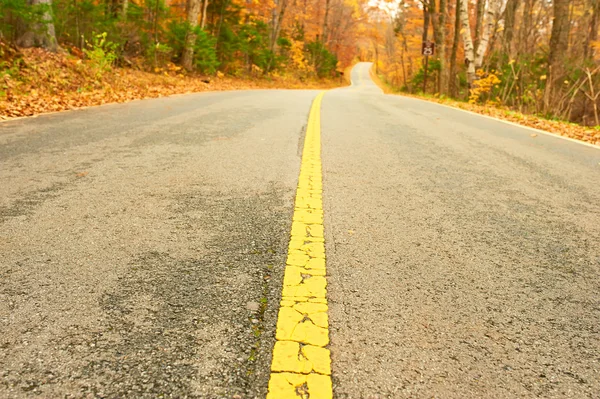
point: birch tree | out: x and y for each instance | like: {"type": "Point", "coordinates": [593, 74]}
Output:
{"type": "Point", "coordinates": [474, 57]}
{"type": "Point", "coordinates": [467, 41]}
{"type": "Point", "coordinates": [490, 21]}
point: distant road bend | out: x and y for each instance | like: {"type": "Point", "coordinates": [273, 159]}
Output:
{"type": "Point", "coordinates": [145, 251]}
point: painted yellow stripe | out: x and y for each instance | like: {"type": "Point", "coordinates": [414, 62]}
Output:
{"type": "Point", "coordinates": [301, 366]}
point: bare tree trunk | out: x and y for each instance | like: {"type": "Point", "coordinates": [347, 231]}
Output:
{"type": "Point", "coordinates": [509, 26]}
{"type": "Point", "coordinates": [479, 13]}
{"type": "Point", "coordinates": [452, 86]}
{"type": "Point", "coordinates": [327, 2]}
{"type": "Point", "coordinates": [204, 8]}
{"type": "Point", "coordinates": [559, 44]}
{"type": "Point", "coordinates": [490, 21]}
{"type": "Point", "coordinates": [277, 22]}
{"type": "Point", "coordinates": [41, 34]}
{"type": "Point", "coordinates": [467, 41]}
{"type": "Point", "coordinates": [193, 11]}
{"type": "Point", "coordinates": [426, 17]}
{"type": "Point", "coordinates": [588, 50]}
{"type": "Point", "coordinates": [439, 33]}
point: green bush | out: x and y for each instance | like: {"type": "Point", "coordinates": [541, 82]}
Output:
{"type": "Point", "coordinates": [205, 55]}
{"type": "Point", "coordinates": [321, 59]}
{"type": "Point", "coordinates": [101, 53]}
{"type": "Point", "coordinates": [254, 44]}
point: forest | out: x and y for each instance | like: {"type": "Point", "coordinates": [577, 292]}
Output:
{"type": "Point", "coordinates": [536, 57]}
{"type": "Point", "coordinates": [231, 36]}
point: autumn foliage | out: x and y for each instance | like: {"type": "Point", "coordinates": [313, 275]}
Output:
{"type": "Point", "coordinates": [108, 50]}
{"type": "Point", "coordinates": [531, 56]}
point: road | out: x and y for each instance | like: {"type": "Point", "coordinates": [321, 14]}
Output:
{"type": "Point", "coordinates": [143, 248]}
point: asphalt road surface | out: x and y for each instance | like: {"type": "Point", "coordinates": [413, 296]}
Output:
{"type": "Point", "coordinates": [142, 249]}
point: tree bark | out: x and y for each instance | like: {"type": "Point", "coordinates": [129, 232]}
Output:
{"type": "Point", "coordinates": [193, 11]}
{"type": "Point", "coordinates": [439, 33]}
{"type": "Point", "coordinates": [277, 22]}
{"type": "Point", "coordinates": [204, 8]}
{"type": "Point", "coordinates": [41, 34]}
{"type": "Point", "coordinates": [588, 50]}
{"type": "Point", "coordinates": [452, 86]}
{"type": "Point", "coordinates": [467, 41]}
{"type": "Point", "coordinates": [325, 20]}
{"type": "Point", "coordinates": [490, 21]}
{"type": "Point", "coordinates": [509, 27]}
{"type": "Point", "coordinates": [426, 20]}
{"type": "Point", "coordinates": [559, 45]}
{"type": "Point", "coordinates": [479, 13]}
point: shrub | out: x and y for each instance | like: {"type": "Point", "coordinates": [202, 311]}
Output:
{"type": "Point", "coordinates": [101, 53]}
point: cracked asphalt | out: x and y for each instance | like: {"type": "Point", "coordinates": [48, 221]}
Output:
{"type": "Point", "coordinates": [142, 248]}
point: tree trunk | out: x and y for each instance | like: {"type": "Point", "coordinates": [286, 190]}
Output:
{"type": "Point", "coordinates": [440, 43]}
{"type": "Point", "coordinates": [426, 20]}
{"type": "Point", "coordinates": [588, 50]}
{"type": "Point", "coordinates": [559, 44]}
{"type": "Point", "coordinates": [193, 11]}
{"type": "Point", "coordinates": [452, 86]}
{"type": "Point", "coordinates": [426, 16]}
{"type": "Point", "coordinates": [467, 41]}
{"type": "Point", "coordinates": [204, 8]}
{"type": "Point", "coordinates": [41, 34]}
{"type": "Point", "coordinates": [509, 27]}
{"type": "Point", "coordinates": [277, 22]}
{"type": "Point", "coordinates": [479, 13]}
{"type": "Point", "coordinates": [325, 22]}
{"type": "Point", "coordinates": [276, 29]}
{"type": "Point", "coordinates": [490, 22]}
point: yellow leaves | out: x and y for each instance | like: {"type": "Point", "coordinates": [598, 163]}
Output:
{"type": "Point", "coordinates": [483, 86]}
{"type": "Point", "coordinates": [297, 55]}
{"type": "Point", "coordinates": [543, 77]}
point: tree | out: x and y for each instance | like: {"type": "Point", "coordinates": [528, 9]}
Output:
{"type": "Point", "coordinates": [559, 44]}
{"type": "Point", "coordinates": [490, 21]}
{"type": "Point", "coordinates": [467, 41]}
{"type": "Point", "coordinates": [592, 36]}
{"type": "Point", "coordinates": [193, 11]}
{"type": "Point", "coordinates": [453, 87]}
{"type": "Point", "coordinates": [41, 33]}
{"type": "Point", "coordinates": [439, 34]}
{"type": "Point", "coordinates": [510, 14]}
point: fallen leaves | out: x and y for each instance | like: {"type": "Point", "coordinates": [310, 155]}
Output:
{"type": "Point", "coordinates": [47, 82]}
{"type": "Point", "coordinates": [561, 128]}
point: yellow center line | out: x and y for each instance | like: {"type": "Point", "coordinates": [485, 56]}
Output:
{"type": "Point", "coordinates": [301, 365]}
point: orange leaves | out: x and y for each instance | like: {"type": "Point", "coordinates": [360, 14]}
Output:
{"type": "Point", "coordinates": [54, 82]}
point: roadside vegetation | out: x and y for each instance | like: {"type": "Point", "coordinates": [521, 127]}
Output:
{"type": "Point", "coordinates": [534, 62]}
{"type": "Point", "coordinates": [61, 54]}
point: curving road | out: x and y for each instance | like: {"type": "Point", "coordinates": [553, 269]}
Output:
{"type": "Point", "coordinates": [142, 249]}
